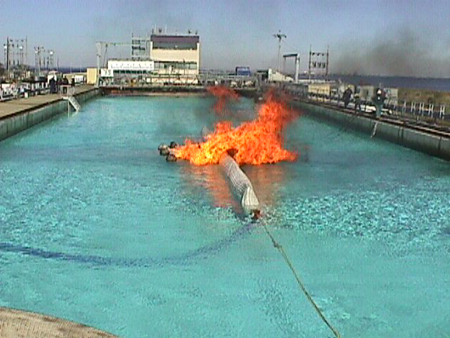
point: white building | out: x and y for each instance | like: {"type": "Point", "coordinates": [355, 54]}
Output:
{"type": "Point", "coordinates": [129, 66]}
{"type": "Point", "coordinates": [176, 57]}
{"type": "Point", "coordinates": [158, 59]}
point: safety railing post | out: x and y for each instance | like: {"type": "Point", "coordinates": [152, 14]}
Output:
{"type": "Point", "coordinates": [442, 111]}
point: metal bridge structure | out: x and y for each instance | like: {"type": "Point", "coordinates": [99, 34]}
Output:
{"type": "Point", "coordinates": [102, 50]}
{"type": "Point", "coordinates": [296, 57]}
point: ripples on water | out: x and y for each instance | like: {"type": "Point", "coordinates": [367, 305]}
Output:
{"type": "Point", "coordinates": [365, 221]}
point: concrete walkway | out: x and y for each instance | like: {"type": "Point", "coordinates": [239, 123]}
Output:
{"type": "Point", "coordinates": [15, 323]}
{"type": "Point", "coordinates": [13, 107]}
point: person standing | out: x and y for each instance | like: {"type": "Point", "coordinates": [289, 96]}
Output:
{"type": "Point", "coordinates": [52, 84]}
{"type": "Point", "coordinates": [357, 97]}
{"type": "Point", "coordinates": [347, 96]}
{"type": "Point", "coordinates": [378, 100]}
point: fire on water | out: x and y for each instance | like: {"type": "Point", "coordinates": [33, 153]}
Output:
{"type": "Point", "coordinates": [223, 94]}
{"type": "Point", "coordinates": [256, 142]}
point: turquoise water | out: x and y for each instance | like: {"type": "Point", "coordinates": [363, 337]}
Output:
{"type": "Point", "coordinates": [97, 228]}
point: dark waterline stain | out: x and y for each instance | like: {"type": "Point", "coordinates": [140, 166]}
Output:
{"type": "Point", "coordinates": [93, 260]}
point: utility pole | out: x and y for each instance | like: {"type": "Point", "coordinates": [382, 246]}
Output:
{"type": "Point", "coordinates": [309, 63]}
{"type": "Point", "coordinates": [99, 57]}
{"type": "Point", "coordinates": [7, 52]}
{"type": "Point", "coordinates": [38, 61]}
{"type": "Point", "coordinates": [280, 37]}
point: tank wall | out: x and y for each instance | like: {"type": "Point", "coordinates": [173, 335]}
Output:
{"type": "Point", "coordinates": [428, 143]}
{"type": "Point", "coordinates": [22, 121]}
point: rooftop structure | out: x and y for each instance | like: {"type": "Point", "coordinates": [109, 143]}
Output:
{"type": "Point", "coordinates": [176, 55]}
{"type": "Point", "coordinates": [140, 47]}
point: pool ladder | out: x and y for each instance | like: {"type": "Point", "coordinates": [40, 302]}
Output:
{"type": "Point", "coordinates": [73, 102]}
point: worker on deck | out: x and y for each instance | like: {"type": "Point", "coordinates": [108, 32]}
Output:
{"type": "Point", "coordinates": [52, 84]}
{"type": "Point", "coordinates": [378, 100]}
{"type": "Point", "coordinates": [357, 98]}
{"type": "Point", "coordinates": [347, 96]}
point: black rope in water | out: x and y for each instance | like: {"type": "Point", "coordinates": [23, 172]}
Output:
{"type": "Point", "coordinates": [299, 281]}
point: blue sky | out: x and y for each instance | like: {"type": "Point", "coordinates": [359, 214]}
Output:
{"type": "Point", "coordinates": [396, 37]}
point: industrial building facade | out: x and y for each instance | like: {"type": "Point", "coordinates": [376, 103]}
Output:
{"type": "Point", "coordinates": [176, 55]}
{"type": "Point", "coordinates": [156, 59]}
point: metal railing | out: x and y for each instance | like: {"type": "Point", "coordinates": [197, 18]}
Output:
{"type": "Point", "coordinates": [204, 78]}
{"type": "Point", "coordinates": [390, 107]}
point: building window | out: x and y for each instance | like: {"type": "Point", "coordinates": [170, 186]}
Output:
{"type": "Point", "coordinates": [176, 65]}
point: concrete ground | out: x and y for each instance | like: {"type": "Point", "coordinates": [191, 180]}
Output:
{"type": "Point", "coordinates": [18, 324]}
{"type": "Point", "coordinates": [12, 107]}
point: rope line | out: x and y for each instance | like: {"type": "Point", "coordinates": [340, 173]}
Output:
{"type": "Point", "coordinates": [299, 281]}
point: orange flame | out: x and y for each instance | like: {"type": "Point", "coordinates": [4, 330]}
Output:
{"type": "Point", "coordinates": [223, 94]}
{"type": "Point", "coordinates": [256, 142]}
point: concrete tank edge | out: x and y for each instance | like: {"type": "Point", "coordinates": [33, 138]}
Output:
{"type": "Point", "coordinates": [22, 121]}
{"type": "Point", "coordinates": [428, 143]}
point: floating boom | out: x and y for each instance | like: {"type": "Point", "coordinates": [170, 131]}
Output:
{"type": "Point", "coordinates": [241, 183]}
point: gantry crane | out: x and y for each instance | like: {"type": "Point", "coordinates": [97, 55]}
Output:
{"type": "Point", "coordinates": [102, 45]}
{"type": "Point", "coordinates": [297, 63]}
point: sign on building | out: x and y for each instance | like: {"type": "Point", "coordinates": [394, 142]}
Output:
{"type": "Point", "coordinates": [131, 65]}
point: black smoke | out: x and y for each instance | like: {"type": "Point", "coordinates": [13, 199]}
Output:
{"type": "Point", "coordinates": [402, 52]}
